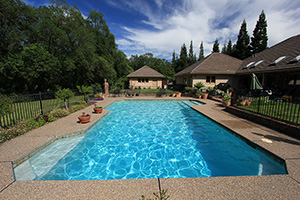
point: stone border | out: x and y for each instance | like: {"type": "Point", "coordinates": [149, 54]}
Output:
{"type": "Point", "coordinates": [283, 127]}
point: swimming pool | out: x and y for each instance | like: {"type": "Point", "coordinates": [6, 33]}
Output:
{"type": "Point", "coordinates": [148, 139]}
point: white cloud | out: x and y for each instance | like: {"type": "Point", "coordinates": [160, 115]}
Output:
{"type": "Point", "coordinates": [174, 24]}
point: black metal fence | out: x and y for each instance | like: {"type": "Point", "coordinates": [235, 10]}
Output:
{"type": "Point", "coordinates": [28, 106]}
{"type": "Point", "coordinates": [283, 109]}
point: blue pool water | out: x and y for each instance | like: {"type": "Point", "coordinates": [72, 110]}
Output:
{"type": "Point", "coordinates": [148, 139]}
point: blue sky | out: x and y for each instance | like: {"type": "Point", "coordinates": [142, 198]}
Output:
{"type": "Point", "coordinates": [161, 26]}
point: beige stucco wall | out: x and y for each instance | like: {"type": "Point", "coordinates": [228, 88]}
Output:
{"type": "Point", "coordinates": [191, 81]}
{"type": "Point", "coordinates": [153, 83]}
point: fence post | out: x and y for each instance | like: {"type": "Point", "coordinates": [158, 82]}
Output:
{"type": "Point", "coordinates": [41, 104]}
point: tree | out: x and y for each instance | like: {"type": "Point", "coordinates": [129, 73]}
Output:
{"type": "Point", "coordinates": [224, 49]}
{"type": "Point", "coordinates": [201, 53]}
{"type": "Point", "coordinates": [64, 95]}
{"type": "Point", "coordinates": [183, 59]}
{"type": "Point", "coordinates": [229, 48]}
{"type": "Point", "coordinates": [85, 90]}
{"type": "Point", "coordinates": [242, 50]}
{"type": "Point", "coordinates": [216, 46]}
{"type": "Point", "coordinates": [5, 105]}
{"type": "Point", "coordinates": [192, 57]}
{"type": "Point", "coordinates": [16, 19]}
{"type": "Point", "coordinates": [259, 41]}
{"type": "Point", "coordinates": [40, 69]}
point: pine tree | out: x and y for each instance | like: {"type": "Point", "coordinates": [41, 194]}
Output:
{"type": "Point", "coordinates": [174, 61]}
{"type": "Point", "coordinates": [259, 41]}
{"type": "Point", "coordinates": [216, 46]}
{"type": "Point", "coordinates": [191, 57]}
{"type": "Point", "coordinates": [183, 59]}
{"type": "Point", "coordinates": [229, 47]}
{"type": "Point", "coordinates": [224, 49]}
{"type": "Point", "coordinates": [201, 54]}
{"type": "Point", "coordinates": [242, 50]}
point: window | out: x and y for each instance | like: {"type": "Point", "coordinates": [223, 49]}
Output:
{"type": "Point", "coordinates": [258, 63]}
{"type": "Point", "coordinates": [139, 80]}
{"type": "Point", "coordinates": [248, 65]}
{"type": "Point", "coordinates": [210, 79]}
{"type": "Point", "coordinates": [207, 79]}
{"type": "Point", "coordinates": [295, 59]}
{"type": "Point", "coordinates": [278, 60]}
{"type": "Point", "coordinates": [213, 79]}
{"type": "Point", "coordinates": [147, 80]}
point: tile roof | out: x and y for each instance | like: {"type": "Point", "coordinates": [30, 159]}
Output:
{"type": "Point", "coordinates": [282, 52]}
{"type": "Point", "coordinates": [215, 63]}
{"type": "Point", "coordinates": [145, 71]}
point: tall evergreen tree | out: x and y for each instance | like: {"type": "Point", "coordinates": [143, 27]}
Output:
{"type": "Point", "coordinates": [174, 61]}
{"type": "Point", "coordinates": [242, 50]}
{"type": "Point", "coordinates": [183, 59]}
{"type": "Point", "coordinates": [191, 58]}
{"type": "Point", "coordinates": [201, 53]}
{"type": "Point", "coordinates": [224, 48]}
{"type": "Point", "coordinates": [216, 46]}
{"type": "Point", "coordinates": [259, 41]}
{"type": "Point", "coordinates": [229, 47]}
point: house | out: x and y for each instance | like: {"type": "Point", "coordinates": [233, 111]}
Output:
{"type": "Point", "coordinates": [278, 68]}
{"type": "Point", "coordinates": [146, 78]}
{"type": "Point", "coordinates": [212, 70]}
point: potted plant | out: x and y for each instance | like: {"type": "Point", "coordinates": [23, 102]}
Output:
{"type": "Point", "coordinates": [229, 91]}
{"type": "Point", "coordinates": [242, 101]}
{"type": "Point", "coordinates": [199, 93]}
{"type": "Point", "coordinates": [248, 102]}
{"type": "Point", "coordinates": [226, 100]}
{"type": "Point", "coordinates": [84, 118]}
{"type": "Point", "coordinates": [204, 95]}
{"type": "Point", "coordinates": [98, 109]}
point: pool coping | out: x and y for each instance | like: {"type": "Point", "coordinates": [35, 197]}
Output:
{"type": "Point", "coordinates": [246, 187]}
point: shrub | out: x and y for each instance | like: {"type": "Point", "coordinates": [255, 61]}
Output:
{"type": "Point", "coordinates": [5, 105]}
{"type": "Point", "coordinates": [64, 95]}
{"type": "Point", "coordinates": [58, 113]}
{"type": "Point", "coordinates": [77, 107]}
{"type": "Point", "coordinates": [199, 85]}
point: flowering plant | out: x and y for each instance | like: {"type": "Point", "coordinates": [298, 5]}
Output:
{"type": "Point", "coordinates": [99, 96]}
{"type": "Point", "coordinates": [97, 106]}
{"type": "Point", "coordinates": [84, 115]}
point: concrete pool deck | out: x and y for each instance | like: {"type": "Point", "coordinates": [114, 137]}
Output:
{"type": "Point", "coordinates": [239, 187]}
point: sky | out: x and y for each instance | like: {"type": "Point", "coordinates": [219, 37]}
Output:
{"type": "Point", "coordinates": [163, 26]}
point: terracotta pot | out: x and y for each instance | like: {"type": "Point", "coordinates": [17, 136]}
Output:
{"type": "Point", "coordinates": [243, 103]}
{"type": "Point", "coordinates": [204, 96]}
{"type": "Point", "coordinates": [226, 103]}
{"type": "Point", "coordinates": [199, 96]}
{"type": "Point", "coordinates": [84, 119]}
{"type": "Point", "coordinates": [98, 110]}
{"type": "Point", "coordinates": [248, 103]}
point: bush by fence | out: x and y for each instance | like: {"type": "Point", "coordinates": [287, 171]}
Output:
{"type": "Point", "coordinates": [28, 106]}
